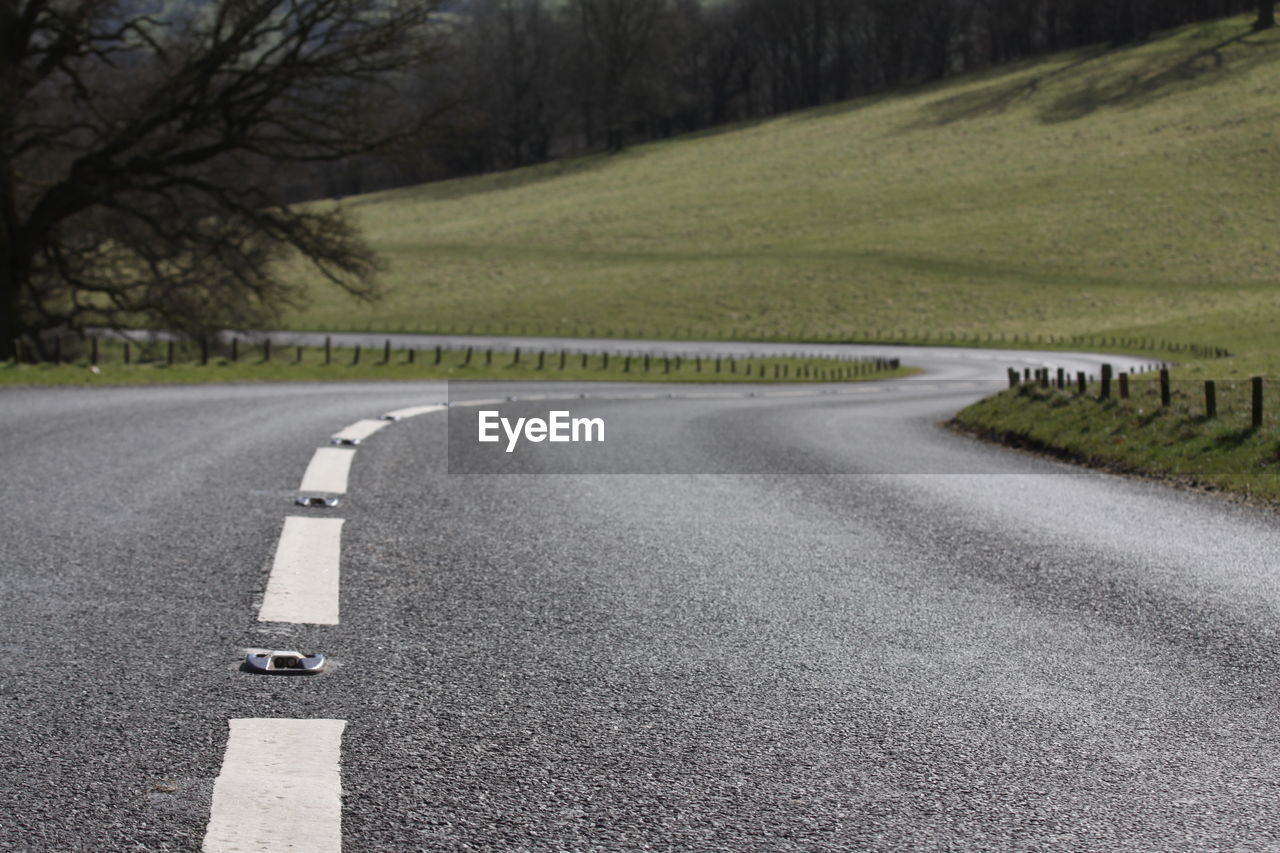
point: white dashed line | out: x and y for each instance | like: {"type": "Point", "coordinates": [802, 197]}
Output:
{"type": "Point", "coordinates": [492, 402]}
{"type": "Point", "coordinates": [280, 788]}
{"type": "Point", "coordinates": [328, 471]}
{"type": "Point", "coordinates": [303, 586]}
{"type": "Point", "coordinates": [360, 430]}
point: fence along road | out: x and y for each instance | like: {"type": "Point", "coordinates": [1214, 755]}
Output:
{"type": "Point", "coordinates": [1032, 656]}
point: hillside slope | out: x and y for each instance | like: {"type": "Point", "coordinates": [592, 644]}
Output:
{"type": "Point", "coordinates": [1133, 191]}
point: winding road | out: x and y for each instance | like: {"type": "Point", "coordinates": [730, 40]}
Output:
{"type": "Point", "coordinates": [752, 619]}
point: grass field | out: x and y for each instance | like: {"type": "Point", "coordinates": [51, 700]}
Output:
{"type": "Point", "coordinates": [1126, 193]}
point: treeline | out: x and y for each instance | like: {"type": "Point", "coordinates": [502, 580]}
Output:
{"type": "Point", "coordinates": [525, 81]}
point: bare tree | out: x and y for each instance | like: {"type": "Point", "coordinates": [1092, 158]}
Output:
{"type": "Point", "coordinates": [510, 65]}
{"type": "Point", "coordinates": [615, 41]}
{"type": "Point", "coordinates": [138, 142]}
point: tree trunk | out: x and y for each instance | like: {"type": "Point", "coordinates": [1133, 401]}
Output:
{"type": "Point", "coordinates": [10, 324]}
{"type": "Point", "coordinates": [10, 281]}
{"type": "Point", "coordinates": [1266, 15]}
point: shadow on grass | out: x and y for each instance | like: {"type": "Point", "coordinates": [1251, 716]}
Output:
{"type": "Point", "coordinates": [1235, 438]}
{"type": "Point", "coordinates": [995, 99]}
{"type": "Point", "coordinates": [1160, 77]}
{"type": "Point", "coordinates": [1148, 418]}
{"type": "Point", "coordinates": [1090, 91]}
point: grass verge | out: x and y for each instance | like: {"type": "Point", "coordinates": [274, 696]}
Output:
{"type": "Point", "coordinates": [345, 364]}
{"type": "Point", "coordinates": [1179, 443]}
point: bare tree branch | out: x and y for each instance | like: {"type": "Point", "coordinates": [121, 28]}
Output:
{"type": "Point", "coordinates": [136, 150]}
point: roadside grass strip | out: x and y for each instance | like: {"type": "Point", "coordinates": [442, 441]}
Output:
{"type": "Point", "coordinates": [149, 364]}
{"type": "Point", "coordinates": [1179, 442]}
{"type": "Point", "coordinates": [280, 788]}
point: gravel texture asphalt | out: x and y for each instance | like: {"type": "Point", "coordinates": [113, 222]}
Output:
{"type": "Point", "coordinates": [941, 646]}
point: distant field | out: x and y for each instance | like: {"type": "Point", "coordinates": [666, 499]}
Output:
{"type": "Point", "coordinates": [1130, 193]}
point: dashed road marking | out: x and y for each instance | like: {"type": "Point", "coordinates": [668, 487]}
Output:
{"type": "Point", "coordinates": [493, 402]}
{"type": "Point", "coordinates": [328, 471]}
{"type": "Point", "coordinates": [303, 586]}
{"type": "Point", "coordinates": [280, 788]}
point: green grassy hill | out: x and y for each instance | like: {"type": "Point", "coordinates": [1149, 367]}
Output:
{"type": "Point", "coordinates": [1129, 192]}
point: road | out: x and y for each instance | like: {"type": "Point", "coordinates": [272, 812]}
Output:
{"type": "Point", "coordinates": [940, 646]}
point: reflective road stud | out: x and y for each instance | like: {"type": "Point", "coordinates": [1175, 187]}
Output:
{"type": "Point", "coordinates": [293, 663]}
{"type": "Point", "coordinates": [315, 501]}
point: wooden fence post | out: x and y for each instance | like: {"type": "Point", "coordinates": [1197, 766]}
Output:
{"type": "Point", "coordinates": [1080, 381]}
{"type": "Point", "coordinates": [1106, 383]}
{"type": "Point", "coordinates": [1124, 386]}
{"type": "Point", "coordinates": [1256, 382]}
{"type": "Point", "coordinates": [328, 349]}
{"type": "Point", "coordinates": [1165, 396]}
{"type": "Point", "coordinates": [1210, 399]}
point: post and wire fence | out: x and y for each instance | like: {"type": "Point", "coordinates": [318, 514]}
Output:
{"type": "Point", "coordinates": [1154, 390]}
{"type": "Point", "coordinates": [210, 351]}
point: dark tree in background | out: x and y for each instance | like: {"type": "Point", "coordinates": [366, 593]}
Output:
{"type": "Point", "coordinates": [1266, 15]}
{"type": "Point", "coordinates": [142, 147]}
{"type": "Point", "coordinates": [628, 70]}
{"type": "Point", "coordinates": [510, 83]}
{"type": "Point", "coordinates": [614, 43]}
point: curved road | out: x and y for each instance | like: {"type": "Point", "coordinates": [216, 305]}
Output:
{"type": "Point", "coordinates": [940, 646]}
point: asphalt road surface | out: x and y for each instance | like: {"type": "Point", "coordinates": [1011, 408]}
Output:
{"type": "Point", "coordinates": [860, 632]}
